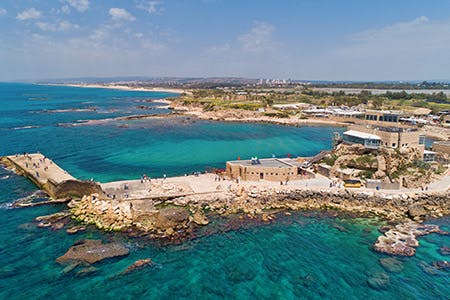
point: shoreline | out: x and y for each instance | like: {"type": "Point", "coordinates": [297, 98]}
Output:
{"type": "Point", "coordinates": [432, 132]}
{"type": "Point", "coordinates": [122, 87]}
{"type": "Point", "coordinates": [173, 208]}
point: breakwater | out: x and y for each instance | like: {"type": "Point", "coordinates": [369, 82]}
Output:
{"type": "Point", "coordinates": [48, 176]}
{"type": "Point", "coordinates": [173, 207]}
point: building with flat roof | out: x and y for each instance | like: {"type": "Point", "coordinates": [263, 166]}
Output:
{"type": "Point", "coordinates": [370, 141]}
{"type": "Point", "coordinates": [394, 137]}
{"type": "Point", "coordinates": [273, 169]}
{"type": "Point", "coordinates": [401, 138]}
{"type": "Point", "coordinates": [382, 117]}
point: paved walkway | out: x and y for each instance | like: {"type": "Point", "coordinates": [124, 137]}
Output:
{"type": "Point", "coordinates": [40, 168]}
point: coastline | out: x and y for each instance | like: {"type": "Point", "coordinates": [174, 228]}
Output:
{"type": "Point", "coordinates": [173, 208]}
{"type": "Point", "coordinates": [233, 115]}
{"type": "Point", "coordinates": [124, 88]}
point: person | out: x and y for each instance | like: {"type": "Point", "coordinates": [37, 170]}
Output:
{"type": "Point", "coordinates": [164, 176]}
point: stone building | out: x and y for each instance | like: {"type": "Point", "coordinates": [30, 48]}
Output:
{"type": "Point", "coordinates": [394, 137]}
{"type": "Point", "coordinates": [272, 169]}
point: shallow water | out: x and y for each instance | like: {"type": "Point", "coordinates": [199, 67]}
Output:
{"type": "Point", "coordinates": [298, 256]}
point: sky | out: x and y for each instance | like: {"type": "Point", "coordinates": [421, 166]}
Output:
{"type": "Point", "coordinates": [287, 39]}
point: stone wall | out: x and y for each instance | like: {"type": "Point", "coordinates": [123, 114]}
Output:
{"type": "Point", "coordinates": [253, 173]}
{"type": "Point", "coordinates": [74, 188]}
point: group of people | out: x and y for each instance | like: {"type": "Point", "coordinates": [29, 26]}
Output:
{"type": "Point", "coordinates": [219, 178]}
{"type": "Point", "coordinates": [145, 178]}
{"type": "Point", "coordinates": [335, 183]}
{"type": "Point", "coordinates": [35, 165]}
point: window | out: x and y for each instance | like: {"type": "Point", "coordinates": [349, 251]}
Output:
{"type": "Point", "coordinates": [393, 144]}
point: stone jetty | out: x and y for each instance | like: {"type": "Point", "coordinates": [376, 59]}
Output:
{"type": "Point", "coordinates": [48, 176]}
{"type": "Point", "coordinates": [173, 207]}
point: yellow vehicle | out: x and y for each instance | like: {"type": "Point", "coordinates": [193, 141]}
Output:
{"type": "Point", "coordinates": [352, 183]}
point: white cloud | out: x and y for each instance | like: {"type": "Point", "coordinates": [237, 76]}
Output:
{"type": "Point", "coordinates": [61, 26]}
{"type": "Point", "coordinates": [259, 39]}
{"type": "Point", "coordinates": [28, 14]}
{"type": "Point", "coordinates": [80, 5]}
{"type": "Point", "coordinates": [120, 14]}
{"type": "Point", "coordinates": [152, 7]}
{"type": "Point", "coordinates": [65, 9]}
{"type": "Point", "coordinates": [2, 11]}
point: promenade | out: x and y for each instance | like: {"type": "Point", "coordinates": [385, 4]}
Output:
{"type": "Point", "coordinates": [39, 168]}
{"type": "Point", "coordinates": [42, 171]}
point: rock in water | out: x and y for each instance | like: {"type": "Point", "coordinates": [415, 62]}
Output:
{"type": "Point", "coordinates": [378, 281]}
{"type": "Point", "coordinates": [139, 264]}
{"type": "Point", "coordinates": [402, 239]}
{"type": "Point", "coordinates": [86, 271]}
{"type": "Point", "coordinates": [442, 264]}
{"type": "Point", "coordinates": [391, 264]}
{"type": "Point", "coordinates": [445, 250]}
{"type": "Point", "coordinates": [92, 251]}
{"type": "Point", "coordinates": [75, 229]}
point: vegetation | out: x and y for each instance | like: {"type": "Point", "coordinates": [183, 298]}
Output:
{"type": "Point", "coordinates": [251, 98]}
{"type": "Point", "coordinates": [330, 159]}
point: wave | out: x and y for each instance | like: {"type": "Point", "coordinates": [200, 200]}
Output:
{"type": "Point", "coordinates": [26, 127]}
{"type": "Point", "coordinates": [7, 205]}
{"type": "Point", "coordinates": [30, 198]}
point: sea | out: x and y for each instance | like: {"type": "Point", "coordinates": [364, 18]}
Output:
{"type": "Point", "coordinates": [304, 255]}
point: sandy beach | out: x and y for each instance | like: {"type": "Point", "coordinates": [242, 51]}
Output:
{"type": "Point", "coordinates": [126, 88]}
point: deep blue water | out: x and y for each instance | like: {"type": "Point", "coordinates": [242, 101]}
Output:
{"type": "Point", "coordinates": [299, 256]}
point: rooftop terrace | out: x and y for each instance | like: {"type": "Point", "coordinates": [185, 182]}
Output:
{"type": "Point", "coordinates": [264, 162]}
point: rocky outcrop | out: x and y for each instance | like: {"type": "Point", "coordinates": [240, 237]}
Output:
{"type": "Point", "coordinates": [402, 239]}
{"type": "Point", "coordinates": [92, 251]}
{"type": "Point", "coordinates": [56, 221]}
{"type": "Point", "coordinates": [388, 165]}
{"type": "Point", "coordinates": [444, 250]}
{"type": "Point", "coordinates": [199, 218]}
{"type": "Point", "coordinates": [442, 264]}
{"type": "Point", "coordinates": [391, 264]}
{"type": "Point", "coordinates": [378, 281]}
{"type": "Point", "coordinates": [416, 211]}
{"type": "Point", "coordinates": [139, 264]}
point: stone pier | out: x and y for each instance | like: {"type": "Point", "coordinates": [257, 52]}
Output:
{"type": "Point", "coordinates": [48, 176]}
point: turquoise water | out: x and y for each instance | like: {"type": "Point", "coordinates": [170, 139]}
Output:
{"type": "Point", "coordinates": [298, 256]}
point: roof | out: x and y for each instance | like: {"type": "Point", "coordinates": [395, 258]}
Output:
{"type": "Point", "coordinates": [362, 135]}
{"type": "Point", "coordinates": [264, 162]}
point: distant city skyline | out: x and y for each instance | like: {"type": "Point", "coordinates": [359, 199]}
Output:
{"type": "Point", "coordinates": [304, 40]}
